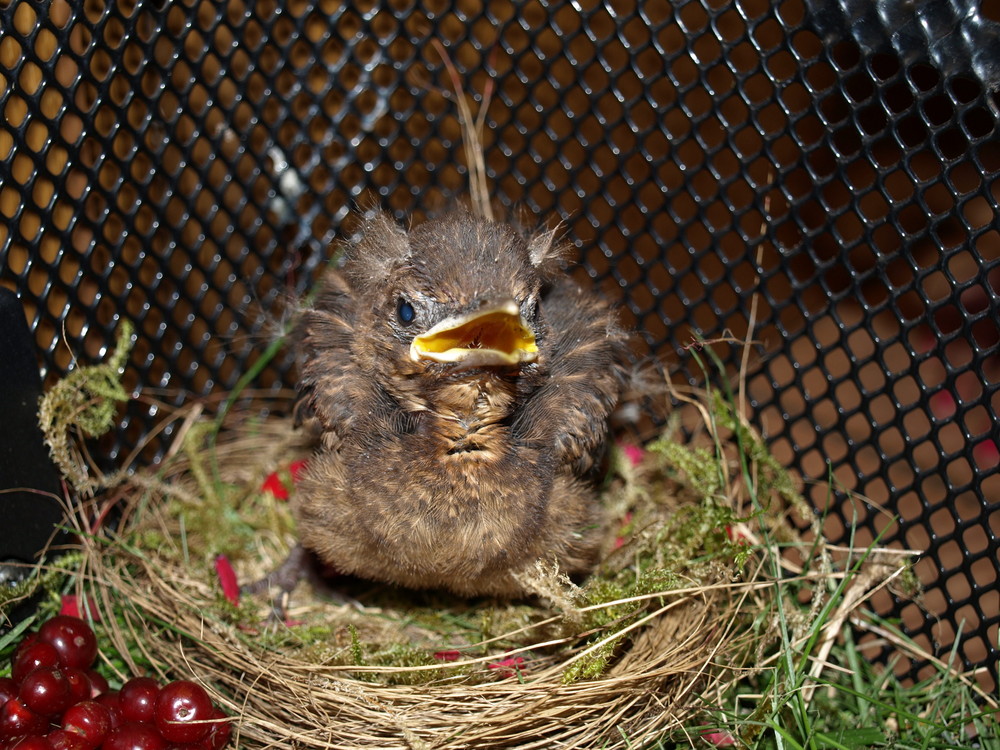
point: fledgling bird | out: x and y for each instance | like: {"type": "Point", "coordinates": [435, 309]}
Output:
{"type": "Point", "coordinates": [462, 385]}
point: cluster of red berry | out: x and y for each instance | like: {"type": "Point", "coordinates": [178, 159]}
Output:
{"type": "Point", "coordinates": [54, 700]}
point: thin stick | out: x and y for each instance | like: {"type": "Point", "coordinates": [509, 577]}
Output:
{"type": "Point", "coordinates": [472, 130]}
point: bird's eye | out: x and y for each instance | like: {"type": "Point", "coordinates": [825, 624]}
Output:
{"type": "Point", "coordinates": [405, 312]}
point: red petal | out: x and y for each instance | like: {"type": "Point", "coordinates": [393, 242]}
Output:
{"type": "Point", "coordinates": [504, 666]}
{"type": "Point", "coordinates": [275, 486]}
{"type": "Point", "coordinates": [626, 521]}
{"type": "Point", "coordinates": [295, 468]}
{"type": "Point", "coordinates": [735, 536]}
{"type": "Point", "coordinates": [451, 655]}
{"type": "Point", "coordinates": [227, 579]}
{"type": "Point", "coordinates": [633, 453]}
{"type": "Point", "coordinates": [70, 605]}
{"type": "Point", "coordinates": [719, 739]}
{"type": "Point", "coordinates": [277, 481]}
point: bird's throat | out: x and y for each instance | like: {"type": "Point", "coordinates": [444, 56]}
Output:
{"type": "Point", "coordinates": [470, 418]}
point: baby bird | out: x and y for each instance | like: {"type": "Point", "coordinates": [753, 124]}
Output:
{"type": "Point", "coordinates": [461, 385]}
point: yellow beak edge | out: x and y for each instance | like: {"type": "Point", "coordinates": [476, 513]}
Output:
{"type": "Point", "coordinates": [491, 336]}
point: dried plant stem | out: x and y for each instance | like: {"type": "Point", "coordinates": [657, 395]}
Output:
{"type": "Point", "coordinates": [472, 135]}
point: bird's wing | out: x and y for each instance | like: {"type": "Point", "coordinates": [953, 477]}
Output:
{"type": "Point", "coordinates": [323, 338]}
{"type": "Point", "coordinates": [587, 359]}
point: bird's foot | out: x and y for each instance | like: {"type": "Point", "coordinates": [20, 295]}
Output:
{"type": "Point", "coordinates": [298, 565]}
{"type": "Point", "coordinates": [285, 578]}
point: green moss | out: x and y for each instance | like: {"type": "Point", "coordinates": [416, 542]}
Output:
{"type": "Point", "coordinates": [598, 591]}
{"type": "Point", "coordinates": [51, 578]}
{"type": "Point", "coordinates": [404, 655]}
{"type": "Point", "coordinates": [86, 401]}
{"type": "Point", "coordinates": [243, 615]}
{"type": "Point", "coordinates": [357, 652]}
{"type": "Point", "coordinates": [909, 581]}
{"type": "Point", "coordinates": [593, 665]}
{"type": "Point", "coordinates": [686, 551]}
{"type": "Point", "coordinates": [776, 476]}
{"type": "Point", "coordinates": [673, 547]}
{"type": "Point", "coordinates": [699, 466]}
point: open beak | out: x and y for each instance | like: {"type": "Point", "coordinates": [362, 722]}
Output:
{"type": "Point", "coordinates": [490, 336]}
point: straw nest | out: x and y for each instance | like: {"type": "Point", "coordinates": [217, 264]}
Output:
{"type": "Point", "coordinates": [682, 604]}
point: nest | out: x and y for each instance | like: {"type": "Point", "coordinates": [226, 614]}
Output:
{"type": "Point", "coordinates": [683, 603]}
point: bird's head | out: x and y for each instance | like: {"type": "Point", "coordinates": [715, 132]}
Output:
{"type": "Point", "coordinates": [451, 296]}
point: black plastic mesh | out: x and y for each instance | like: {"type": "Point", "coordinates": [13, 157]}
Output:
{"type": "Point", "coordinates": [186, 165]}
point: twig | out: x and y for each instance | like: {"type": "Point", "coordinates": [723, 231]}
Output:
{"type": "Point", "coordinates": [472, 135]}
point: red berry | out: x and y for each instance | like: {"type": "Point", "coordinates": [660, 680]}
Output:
{"type": "Point", "coordinates": [17, 720]}
{"type": "Point", "coordinates": [133, 736]}
{"type": "Point", "coordinates": [112, 701]}
{"type": "Point", "coordinates": [34, 742]}
{"type": "Point", "coordinates": [34, 656]}
{"type": "Point", "coordinates": [98, 684]}
{"type": "Point", "coordinates": [26, 642]}
{"type": "Point", "coordinates": [46, 691]}
{"type": "Point", "coordinates": [138, 699]}
{"type": "Point", "coordinates": [72, 638]}
{"type": "Point", "coordinates": [182, 709]}
{"type": "Point", "coordinates": [90, 720]}
{"type": "Point", "coordinates": [188, 746]}
{"type": "Point", "coordinates": [8, 689]}
{"type": "Point", "coordinates": [219, 731]}
{"type": "Point", "coordinates": [60, 739]}
{"type": "Point", "coordinates": [79, 684]}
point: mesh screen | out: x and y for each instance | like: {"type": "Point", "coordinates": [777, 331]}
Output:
{"type": "Point", "coordinates": [186, 165]}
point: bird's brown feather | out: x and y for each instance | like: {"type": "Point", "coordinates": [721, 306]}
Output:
{"type": "Point", "coordinates": [435, 475]}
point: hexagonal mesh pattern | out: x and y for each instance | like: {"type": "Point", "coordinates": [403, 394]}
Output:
{"type": "Point", "coordinates": [186, 165]}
